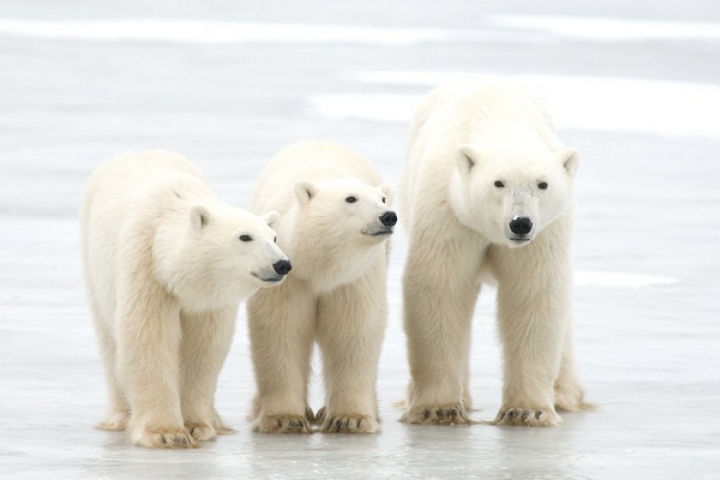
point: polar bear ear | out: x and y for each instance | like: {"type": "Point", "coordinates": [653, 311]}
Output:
{"type": "Point", "coordinates": [465, 158]}
{"type": "Point", "coordinates": [387, 191]}
{"type": "Point", "coordinates": [304, 191]}
{"type": "Point", "coordinates": [570, 159]}
{"type": "Point", "coordinates": [271, 217]}
{"type": "Point", "coordinates": [199, 217]}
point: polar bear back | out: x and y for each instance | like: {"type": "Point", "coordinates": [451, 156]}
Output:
{"type": "Point", "coordinates": [123, 180]}
{"type": "Point", "coordinates": [308, 160]}
{"type": "Point", "coordinates": [125, 174]}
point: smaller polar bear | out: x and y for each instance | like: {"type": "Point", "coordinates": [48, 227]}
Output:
{"type": "Point", "coordinates": [166, 265]}
{"type": "Point", "coordinates": [488, 191]}
{"type": "Point", "coordinates": [336, 220]}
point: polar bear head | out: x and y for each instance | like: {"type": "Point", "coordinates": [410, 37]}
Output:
{"type": "Point", "coordinates": [512, 190]}
{"type": "Point", "coordinates": [347, 210]}
{"type": "Point", "coordinates": [216, 255]}
{"type": "Point", "coordinates": [338, 226]}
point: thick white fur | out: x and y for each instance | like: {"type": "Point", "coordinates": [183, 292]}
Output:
{"type": "Point", "coordinates": [464, 139]}
{"type": "Point", "coordinates": [335, 294]}
{"type": "Point", "coordinates": [165, 273]}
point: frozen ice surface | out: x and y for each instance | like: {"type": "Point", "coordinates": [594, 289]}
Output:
{"type": "Point", "coordinates": [646, 299]}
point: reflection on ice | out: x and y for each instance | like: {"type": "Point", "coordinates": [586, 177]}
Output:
{"type": "Point", "coordinates": [619, 280]}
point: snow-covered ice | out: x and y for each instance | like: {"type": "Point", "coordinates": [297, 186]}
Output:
{"type": "Point", "coordinates": [635, 86]}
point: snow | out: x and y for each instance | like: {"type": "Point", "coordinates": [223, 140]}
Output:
{"type": "Point", "coordinates": [641, 109]}
{"type": "Point", "coordinates": [186, 31]}
{"type": "Point", "coordinates": [575, 102]}
{"type": "Point", "coordinates": [610, 29]}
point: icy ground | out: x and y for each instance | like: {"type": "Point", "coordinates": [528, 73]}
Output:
{"type": "Point", "coordinates": [635, 86]}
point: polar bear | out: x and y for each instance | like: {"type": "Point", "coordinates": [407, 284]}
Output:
{"type": "Point", "coordinates": [336, 221]}
{"type": "Point", "coordinates": [166, 265]}
{"type": "Point", "coordinates": [487, 194]}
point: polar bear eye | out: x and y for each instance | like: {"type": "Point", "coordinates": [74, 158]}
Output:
{"type": "Point", "coordinates": [275, 239]}
{"type": "Point", "coordinates": [384, 199]}
{"type": "Point", "coordinates": [499, 184]}
{"type": "Point", "coordinates": [542, 185]}
{"type": "Point", "coordinates": [245, 238]}
{"type": "Point", "coordinates": [351, 199]}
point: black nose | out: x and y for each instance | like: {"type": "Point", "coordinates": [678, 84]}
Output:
{"type": "Point", "coordinates": [282, 267]}
{"type": "Point", "coordinates": [389, 218]}
{"type": "Point", "coordinates": [521, 225]}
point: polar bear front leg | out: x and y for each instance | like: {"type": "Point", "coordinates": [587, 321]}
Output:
{"type": "Point", "coordinates": [205, 344]}
{"type": "Point", "coordinates": [281, 335]}
{"type": "Point", "coordinates": [350, 332]}
{"type": "Point", "coordinates": [149, 336]}
{"type": "Point", "coordinates": [533, 314]}
{"type": "Point", "coordinates": [440, 289]}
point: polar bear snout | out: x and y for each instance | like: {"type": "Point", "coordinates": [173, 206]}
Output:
{"type": "Point", "coordinates": [275, 273]}
{"type": "Point", "coordinates": [282, 267]}
{"type": "Point", "coordinates": [520, 230]}
{"type": "Point", "coordinates": [389, 218]}
{"type": "Point", "coordinates": [384, 227]}
{"type": "Point", "coordinates": [521, 225]}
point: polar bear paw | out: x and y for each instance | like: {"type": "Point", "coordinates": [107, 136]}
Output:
{"type": "Point", "coordinates": [220, 427]}
{"type": "Point", "coordinates": [310, 416]}
{"type": "Point", "coordinates": [200, 431]}
{"type": "Point", "coordinates": [115, 422]}
{"type": "Point", "coordinates": [446, 415]}
{"type": "Point", "coordinates": [348, 423]}
{"type": "Point", "coordinates": [170, 437]}
{"type": "Point", "coordinates": [571, 399]}
{"type": "Point", "coordinates": [319, 417]}
{"type": "Point", "coordinates": [282, 424]}
{"type": "Point", "coordinates": [527, 417]}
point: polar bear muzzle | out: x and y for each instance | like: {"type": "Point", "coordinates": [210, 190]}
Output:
{"type": "Point", "coordinates": [276, 273]}
{"type": "Point", "coordinates": [385, 227]}
{"type": "Point", "coordinates": [521, 226]}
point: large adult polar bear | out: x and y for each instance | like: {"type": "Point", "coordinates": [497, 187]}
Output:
{"type": "Point", "coordinates": [166, 265]}
{"type": "Point", "coordinates": [487, 191]}
{"type": "Point", "coordinates": [335, 223]}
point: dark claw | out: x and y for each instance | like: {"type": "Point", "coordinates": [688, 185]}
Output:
{"type": "Point", "coordinates": [426, 414]}
{"type": "Point", "coordinates": [440, 413]}
{"type": "Point", "coordinates": [453, 412]}
{"type": "Point", "coordinates": [183, 441]}
{"type": "Point", "coordinates": [162, 437]}
{"type": "Point", "coordinates": [538, 414]}
{"type": "Point", "coordinates": [279, 423]}
{"type": "Point", "coordinates": [501, 415]}
{"type": "Point", "coordinates": [359, 422]}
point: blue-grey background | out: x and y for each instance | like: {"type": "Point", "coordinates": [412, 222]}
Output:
{"type": "Point", "coordinates": [635, 86]}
